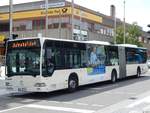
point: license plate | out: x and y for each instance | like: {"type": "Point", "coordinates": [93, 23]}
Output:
{"type": "Point", "coordinates": [9, 88]}
{"type": "Point", "coordinates": [22, 89]}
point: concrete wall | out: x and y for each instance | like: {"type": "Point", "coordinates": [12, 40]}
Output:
{"type": "Point", "coordinates": [99, 37]}
{"type": "Point", "coordinates": [63, 34]}
{"type": "Point", "coordinates": [53, 33]}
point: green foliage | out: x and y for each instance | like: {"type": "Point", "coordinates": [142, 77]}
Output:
{"type": "Point", "coordinates": [132, 34]}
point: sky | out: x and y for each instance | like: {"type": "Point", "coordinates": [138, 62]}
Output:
{"type": "Point", "coordinates": [136, 10]}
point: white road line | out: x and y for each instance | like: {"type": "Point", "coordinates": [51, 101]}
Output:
{"type": "Point", "coordinates": [122, 93]}
{"type": "Point", "coordinates": [83, 104]}
{"type": "Point", "coordinates": [144, 100]}
{"type": "Point", "coordinates": [146, 109]}
{"type": "Point", "coordinates": [12, 109]}
{"type": "Point", "coordinates": [60, 108]}
{"type": "Point", "coordinates": [97, 105]}
{"type": "Point", "coordinates": [67, 102]}
{"type": "Point", "coordinates": [54, 102]}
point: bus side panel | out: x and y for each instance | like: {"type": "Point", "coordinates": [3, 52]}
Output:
{"type": "Point", "coordinates": [89, 79]}
{"type": "Point", "coordinates": [59, 79]}
{"type": "Point", "coordinates": [132, 69]}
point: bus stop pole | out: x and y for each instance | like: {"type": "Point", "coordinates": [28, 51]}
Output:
{"type": "Point", "coordinates": [10, 18]}
{"type": "Point", "coordinates": [72, 11]}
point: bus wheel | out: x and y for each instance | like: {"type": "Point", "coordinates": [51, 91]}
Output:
{"type": "Point", "coordinates": [113, 76]}
{"type": "Point", "coordinates": [138, 73]}
{"type": "Point", "coordinates": [72, 83]}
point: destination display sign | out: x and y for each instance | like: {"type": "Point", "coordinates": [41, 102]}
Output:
{"type": "Point", "coordinates": [23, 44]}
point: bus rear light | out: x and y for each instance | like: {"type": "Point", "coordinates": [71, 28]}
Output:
{"type": "Point", "coordinates": [40, 85]}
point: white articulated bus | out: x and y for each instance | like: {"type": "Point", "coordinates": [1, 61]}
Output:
{"type": "Point", "coordinates": [47, 64]}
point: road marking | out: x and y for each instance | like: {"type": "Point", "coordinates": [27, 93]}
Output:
{"type": "Point", "coordinates": [55, 102]}
{"type": "Point", "coordinates": [134, 112]}
{"type": "Point", "coordinates": [121, 93]}
{"type": "Point", "coordinates": [67, 102]}
{"type": "Point", "coordinates": [97, 105]}
{"type": "Point", "coordinates": [60, 108]}
{"type": "Point", "coordinates": [12, 109]}
{"type": "Point", "coordinates": [83, 104]}
{"type": "Point", "coordinates": [144, 100]}
{"type": "Point", "coordinates": [146, 109]}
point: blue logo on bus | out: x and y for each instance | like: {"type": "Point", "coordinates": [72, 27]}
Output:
{"type": "Point", "coordinates": [96, 70]}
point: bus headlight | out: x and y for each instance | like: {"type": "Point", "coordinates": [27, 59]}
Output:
{"type": "Point", "coordinates": [40, 85]}
{"type": "Point", "coordinates": [7, 84]}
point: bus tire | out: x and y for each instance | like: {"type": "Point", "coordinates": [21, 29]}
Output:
{"type": "Point", "coordinates": [113, 76]}
{"type": "Point", "coordinates": [138, 72]}
{"type": "Point", "coordinates": [72, 83]}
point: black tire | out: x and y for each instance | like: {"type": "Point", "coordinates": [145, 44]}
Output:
{"type": "Point", "coordinates": [113, 76]}
{"type": "Point", "coordinates": [138, 73]}
{"type": "Point", "coordinates": [72, 84]}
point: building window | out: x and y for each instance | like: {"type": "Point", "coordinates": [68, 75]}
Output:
{"type": "Point", "coordinates": [22, 25]}
{"type": "Point", "coordinates": [4, 27]}
{"type": "Point", "coordinates": [102, 31]}
{"type": "Point", "coordinates": [55, 25]}
{"type": "Point", "coordinates": [145, 41]}
{"type": "Point", "coordinates": [64, 25]}
{"type": "Point", "coordinates": [38, 24]}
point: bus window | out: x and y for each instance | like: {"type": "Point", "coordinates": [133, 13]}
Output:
{"type": "Point", "coordinates": [50, 60]}
{"type": "Point", "coordinates": [112, 56]}
{"type": "Point", "coordinates": [23, 61]}
{"type": "Point", "coordinates": [96, 55]}
{"type": "Point", "coordinates": [141, 56]}
{"type": "Point", "coordinates": [83, 58]}
{"type": "Point", "coordinates": [76, 59]}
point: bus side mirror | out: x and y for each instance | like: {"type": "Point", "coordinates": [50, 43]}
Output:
{"type": "Point", "coordinates": [5, 41]}
{"type": "Point", "coordinates": [14, 36]}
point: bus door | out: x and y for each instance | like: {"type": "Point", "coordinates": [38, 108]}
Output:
{"type": "Point", "coordinates": [122, 62]}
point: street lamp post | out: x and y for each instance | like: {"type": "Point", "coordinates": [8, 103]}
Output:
{"type": "Point", "coordinates": [115, 28]}
{"type": "Point", "coordinates": [60, 22]}
{"type": "Point", "coordinates": [46, 18]}
{"type": "Point", "coordinates": [72, 11]}
{"type": "Point", "coordinates": [10, 18]}
{"type": "Point", "coordinates": [81, 24]}
{"type": "Point", "coordinates": [124, 24]}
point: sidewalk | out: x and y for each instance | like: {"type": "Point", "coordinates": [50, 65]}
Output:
{"type": "Point", "coordinates": [138, 104]}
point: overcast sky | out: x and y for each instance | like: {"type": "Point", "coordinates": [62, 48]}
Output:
{"type": "Point", "coordinates": [136, 10]}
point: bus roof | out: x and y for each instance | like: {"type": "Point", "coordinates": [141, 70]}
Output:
{"type": "Point", "coordinates": [130, 45]}
{"type": "Point", "coordinates": [127, 45]}
{"type": "Point", "coordinates": [98, 42]}
{"type": "Point", "coordinates": [56, 39]}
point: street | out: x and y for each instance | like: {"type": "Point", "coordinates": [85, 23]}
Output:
{"type": "Point", "coordinates": [87, 99]}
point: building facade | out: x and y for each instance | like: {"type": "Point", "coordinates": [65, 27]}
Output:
{"type": "Point", "coordinates": [29, 21]}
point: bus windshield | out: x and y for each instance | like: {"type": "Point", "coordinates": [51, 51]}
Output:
{"type": "Point", "coordinates": [23, 57]}
{"type": "Point", "coordinates": [23, 62]}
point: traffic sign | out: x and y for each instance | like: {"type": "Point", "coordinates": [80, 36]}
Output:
{"type": "Point", "coordinates": [52, 5]}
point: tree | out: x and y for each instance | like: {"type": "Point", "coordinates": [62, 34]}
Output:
{"type": "Point", "coordinates": [133, 32]}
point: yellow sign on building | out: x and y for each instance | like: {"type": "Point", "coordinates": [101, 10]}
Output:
{"type": "Point", "coordinates": [52, 12]}
{"type": "Point", "coordinates": [2, 37]}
